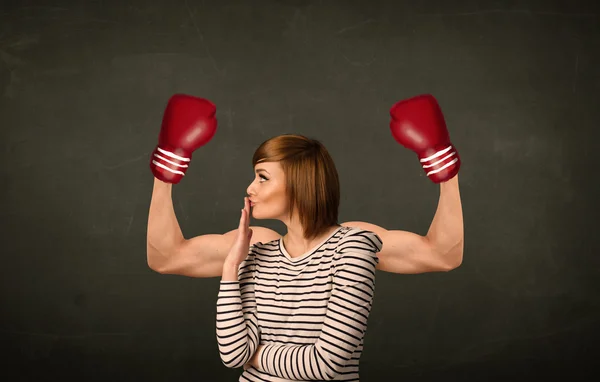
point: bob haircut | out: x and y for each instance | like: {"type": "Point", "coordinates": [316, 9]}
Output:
{"type": "Point", "coordinates": [312, 182]}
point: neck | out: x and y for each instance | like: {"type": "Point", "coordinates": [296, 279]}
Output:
{"type": "Point", "coordinates": [295, 237]}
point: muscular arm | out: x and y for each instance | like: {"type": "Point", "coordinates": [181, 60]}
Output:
{"type": "Point", "coordinates": [441, 249]}
{"type": "Point", "coordinates": [163, 231]}
{"type": "Point", "coordinates": [169, 252]}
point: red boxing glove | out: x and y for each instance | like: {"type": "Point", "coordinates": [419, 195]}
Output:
{"type": "Point", "coordinates": [418, 124]}
{"type": "Point", "coordinates": [188, 123]}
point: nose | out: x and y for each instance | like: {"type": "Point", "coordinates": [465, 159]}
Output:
{"type": "Point", "coordinates": [250, 189]}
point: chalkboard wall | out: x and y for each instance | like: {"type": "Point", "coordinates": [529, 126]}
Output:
{"type": "Point", "coordinates": [83, 86]}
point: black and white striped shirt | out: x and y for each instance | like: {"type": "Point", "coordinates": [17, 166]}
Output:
{"type": "Point", "coordinates": [310, 312]}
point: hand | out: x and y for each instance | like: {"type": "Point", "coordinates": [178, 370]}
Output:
{"type": "Point", "coordinates": [418, 124]}
{"type": "Point", "coordinates": [239, 250]}
{"type": "Point", "coordinates": [253, 362]}
{"type": "Point", "coordinates": [188, 123]}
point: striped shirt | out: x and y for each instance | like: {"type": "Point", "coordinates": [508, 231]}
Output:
{"type": "Point", "coordinates": [309, 312]}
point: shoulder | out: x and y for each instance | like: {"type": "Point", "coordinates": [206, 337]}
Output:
{"type": "Point", "coordinates": [264, 250]}
{"type": "Point", "coordinates": [263, 239]}
{"type": "Point", "coordinates": [262, 235]}
{"type": "Point", "coordinates": [357, 238]}
{"type": "Point", "coordinates": [357, 248]}
{"type": "Point", "coordinates": [355, 255]}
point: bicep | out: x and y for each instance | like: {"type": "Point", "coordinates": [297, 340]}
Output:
{"type": "Point", "coordinates": [204, 255]}
{"type": "Point", "coordinates": [402, 251]}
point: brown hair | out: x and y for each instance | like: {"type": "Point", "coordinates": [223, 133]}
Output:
{"type": "Point", "coordinates": [312, 182]}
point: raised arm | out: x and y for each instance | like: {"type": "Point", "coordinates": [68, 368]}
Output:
{"type": "Point", "coordinates": [188, 123]}
{"type": "Point", "coordinates": [345, 323]}
{"type": "Point", "coordinates": [440, 250]}
{"type": "Point", "coordinates": [168, 252]}
{"type": "Point", "coordinates": [418, 124]}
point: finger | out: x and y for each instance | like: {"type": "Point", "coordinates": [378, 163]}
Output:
{"type": "Point", "coordinates": [247, 210]}
{"type": "Point", "coordinates": [244, 220]}
{"type": "Point", "coordinates": [242, 224]}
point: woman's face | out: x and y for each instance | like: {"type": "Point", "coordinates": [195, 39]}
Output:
{"type": "Point", "coordinates": [267, 192]}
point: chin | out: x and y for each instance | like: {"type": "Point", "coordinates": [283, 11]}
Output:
{"type": "Point", "coordinates": [255, 215]}
{"type": "Point", "coordinates": [260, 216]}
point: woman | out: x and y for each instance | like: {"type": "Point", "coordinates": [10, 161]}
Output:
{"type": "Point", "coordinates": [296, 308]}
{"type": "Point", "coordinates": [189, 122]}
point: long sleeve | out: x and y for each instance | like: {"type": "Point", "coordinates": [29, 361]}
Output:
{"type": "Point", "coordinates": [345, 324]}
{"type": "Point", "coordinates": [238, 335]}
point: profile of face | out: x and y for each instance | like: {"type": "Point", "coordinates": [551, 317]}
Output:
{"type": "Point", "coordinates": [267, 192]}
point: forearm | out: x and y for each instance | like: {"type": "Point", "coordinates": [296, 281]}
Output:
{"type": "Point", "coordinates": [163, 233]}
{"type": "Point", "coordinates": [446, 233]}
{"type": "Point", "coordinates": [230, 271]}
{"type": "Point", "coordinates": [293, 362]}
{"type": "Point", "coordinates": [237, 325]}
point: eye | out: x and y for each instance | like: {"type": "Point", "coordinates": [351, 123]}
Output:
{"type": "Point", "coordinates": [262, 177]}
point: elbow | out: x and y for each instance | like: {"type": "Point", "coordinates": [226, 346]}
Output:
{"type": "Point", "coordinates": [452, 265]}
{"type": "Point", "coordinates": [155, 260]}
{"type": "Point", "coordinates": [232, 362]}
{"type": "Point", "coordinates": [333, 375]}
{"type": "Point", "coordinates": [156, 268]}
{"type": "Point", "coordinates": [334, 368]}
{"type": "Point", "coordinates": [454, 258]}
{"type": "Point", "coordinates": [234, 354]}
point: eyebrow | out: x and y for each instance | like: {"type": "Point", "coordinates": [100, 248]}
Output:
{"type": "Point", "coordinates": [261, 169]}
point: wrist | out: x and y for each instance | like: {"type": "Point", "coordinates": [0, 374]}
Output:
{"type": "Point", "coordinates": [168, 166]}
{"type": "Point", "coordinates": [440, 164]}
{"type": "Point", "coordinates": [231, 264]}
{"type": "Point", "coordinates": [230, 271]}
{"type": "Point", "coordinates": [450, 183]}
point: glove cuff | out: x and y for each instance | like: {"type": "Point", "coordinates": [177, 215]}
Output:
{"type": "Point", "coordinates": [168, 166]}
{"type": "Point", "coordinates": [442, 164]}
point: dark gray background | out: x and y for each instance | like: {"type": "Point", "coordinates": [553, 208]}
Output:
{"type": "Point", "coordinates": [83, 86]}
